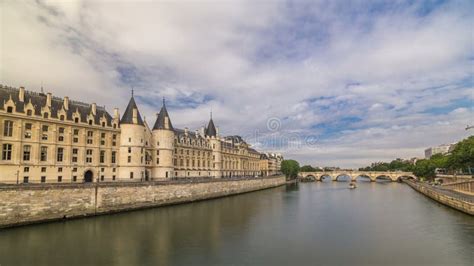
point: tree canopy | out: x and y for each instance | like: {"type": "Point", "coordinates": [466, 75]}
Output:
{"type": "Point", "coordinates": [290, 168]}
{"type": "Point", "coordinates": [309, 168]}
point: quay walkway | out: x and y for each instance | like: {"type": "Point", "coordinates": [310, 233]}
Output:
{"type": "Point", "coordinates": [451, 198]}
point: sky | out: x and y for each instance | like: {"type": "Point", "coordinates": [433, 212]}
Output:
{"type": "Point", "coordinates": [328, 83]}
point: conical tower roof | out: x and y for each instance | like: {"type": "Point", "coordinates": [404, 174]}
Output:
{"type": "Point", "coordinates": [127, 117]}
{"type": "Point", "coordinates": [160, 120]}
{"type": "Point", "coordinates": [211, 129]}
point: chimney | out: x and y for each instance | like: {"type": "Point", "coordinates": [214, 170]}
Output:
{"type": "Point", "coordinates": [167, 122]}
{"type": "Point", "coordinates": [197, 133]}
{"type": "Point", "coordinates": [186, 131]}
{"type": "Point", "coordinates": [116, 113]}
{"type": "Point", "coordinates": [66, 103]}
{"type": "Point", "coordinates": [217, 131]}
{"type": "Point", "coordinates": [135, 116]}
{"type": "Point", "coordinates": [21, 94]}
{"type": "Point", "coordinates": [94, 108]}
{"type": "Point", "coordinates": [48, 99]}
{"type": "Point", "coordinates": [202, 132]}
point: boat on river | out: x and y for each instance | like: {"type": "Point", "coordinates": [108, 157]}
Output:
{"type": "Point", "coordinates": [352, 185]}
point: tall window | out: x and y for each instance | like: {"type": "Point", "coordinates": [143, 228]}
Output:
{"type": "Point", "coordinates": [75, 138]}
{"type": "Point", "coordinates": [74, 155]}
{"type": "Point", "coordinates": [44, 154]}
{"type": "Point", "coordinates": [102, 139]}
{"type": "Point", "coordinates": [60, 154]}
{"type": "Point", "coordinates": [8, 128]}
{"type": "Point", "coordinates": [90, 135]}
{"type": "Point", "coordinates": [113, 157]}
{"type": "Point", "coordinates": [89, 156]}
{"type": "Point", "coordinates": [61, 134]}
{"type": "Point", "coordinates": [7, 152]}
{"type": "Point", "coordinates": [45, 132]}
{"type": "Point", "coordinates": [26, 152]}
{"type": "Point", "coordinates": [28, 127]}
{"type": "Point", "coordinates": [102, 157]}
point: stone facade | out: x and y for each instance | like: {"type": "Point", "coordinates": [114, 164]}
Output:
{"type": "Point", "coordinates": [270, 164]}
{"type": "Point", "coordinates": [37, 203]}
{"type": "Point", "coordinates": [46, 139]}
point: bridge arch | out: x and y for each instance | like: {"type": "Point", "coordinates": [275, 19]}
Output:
{"type": "Point", "coordinates": [340, 175]}
{"type": "Point", "coordinates": [383, 177]}
{"type": "Point", "coordinates": [365, 177]}
{"type": "Point", "coordinates": [324, 176]}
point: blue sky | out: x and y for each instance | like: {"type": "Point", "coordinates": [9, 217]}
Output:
{"type": "Point", "coordinates": [345, 82]}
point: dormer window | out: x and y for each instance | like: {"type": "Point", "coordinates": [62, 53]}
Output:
{"type": "Point", "coordinates": [103, 124]}
{"type": "Point", "coordinates": [76, 120]}
{"type": "Point", "coordinates": [29, 112]}
{"type": "Point", "coordinates": [61, 117]}
{"type": "Point", "coordinates": [45, 115]}
{"type": "Point", "coordinates": [9, 109]}
{"type": "Point", "coordinates": [90, 121]}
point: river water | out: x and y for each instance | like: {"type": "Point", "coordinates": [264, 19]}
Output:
{"type": "Point", "coordinates": [321, 223]}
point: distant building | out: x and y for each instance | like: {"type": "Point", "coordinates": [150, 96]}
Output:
{"type": "Point", "coordinates": [270, 163]}
{"type": "Point", "coordinates": [441, 149]}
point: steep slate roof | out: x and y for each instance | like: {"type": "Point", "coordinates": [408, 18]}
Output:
{"type": "Point", "coordinates": [39, 100]}
{"type": "Point", "coordinates": [160, 120]}
{"type": "Point", "coordinates": [127, 117]}
{"type": "Point", "coordinates": [211, 129]}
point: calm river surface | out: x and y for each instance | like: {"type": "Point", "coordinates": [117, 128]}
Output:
{"type": "Point", "coordinates": [306, 224]}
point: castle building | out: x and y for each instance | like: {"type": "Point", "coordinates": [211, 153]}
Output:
{"type": "Point", "coordinates": [46, 139]}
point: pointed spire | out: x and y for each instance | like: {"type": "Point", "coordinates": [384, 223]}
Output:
{"type": "Point", "coordinates": [128, 115]}
{"type": "Point", "coordinates": [211, 128]}
{"type": "Point", "coordinates": [163, 120]}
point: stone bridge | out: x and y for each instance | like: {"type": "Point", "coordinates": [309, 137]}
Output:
{"type": "Point", "coordinates": [372, 175]}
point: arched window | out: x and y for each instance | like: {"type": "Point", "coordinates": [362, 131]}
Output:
{"type": "Point", "coordinates": [45, 115]}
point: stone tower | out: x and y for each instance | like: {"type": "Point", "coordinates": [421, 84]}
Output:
{"type": "Point", "coordinates": [164, 145]}
{"type": "Point", "coordinates": [132, 144]}
{"type": "Point", "coordinates": [212, 134]}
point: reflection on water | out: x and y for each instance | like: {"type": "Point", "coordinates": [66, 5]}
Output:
{"type": "Point", "coordinates": [304, 224]}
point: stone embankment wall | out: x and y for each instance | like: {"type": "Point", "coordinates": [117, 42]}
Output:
{"type": "Point", "coordinates": [31, 204]}
{"type": "Point", "coordinates": [456, 203]}
{"type": "Point", "coordinates": [466, 187]}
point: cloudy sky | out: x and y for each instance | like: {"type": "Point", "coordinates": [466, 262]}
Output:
{"type": "Point", "coordinates": [325, 82]}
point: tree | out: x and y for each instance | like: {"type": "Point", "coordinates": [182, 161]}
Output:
{"type": "Point", "coordinates": [307, 168]}
{"type": "Point", "coordinates": [290, 168]}
{"type": "Point", "coordinates": [462, 155]}
{"type": "Point", "coordinates": [425, 168]}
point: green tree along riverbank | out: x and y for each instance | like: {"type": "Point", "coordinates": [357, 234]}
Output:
{"type": "Point", "coordinates": [460, 159]}
{"type": "Point", "coordinates": [290, 168]}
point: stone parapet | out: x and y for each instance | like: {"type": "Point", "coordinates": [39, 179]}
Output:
{"type": "Point", "coordinates": [20, 205]}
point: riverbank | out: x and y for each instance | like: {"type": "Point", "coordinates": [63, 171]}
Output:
{"type": "Point", "coordinates": [453, 200]}
{"type": "Point", "coordinates": [21, 205]}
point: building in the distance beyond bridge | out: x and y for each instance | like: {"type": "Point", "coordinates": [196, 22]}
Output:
{"type": "Point", "coordinates": [49, 139]}
{"type": "Point", "coordinates": [441, 149]}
